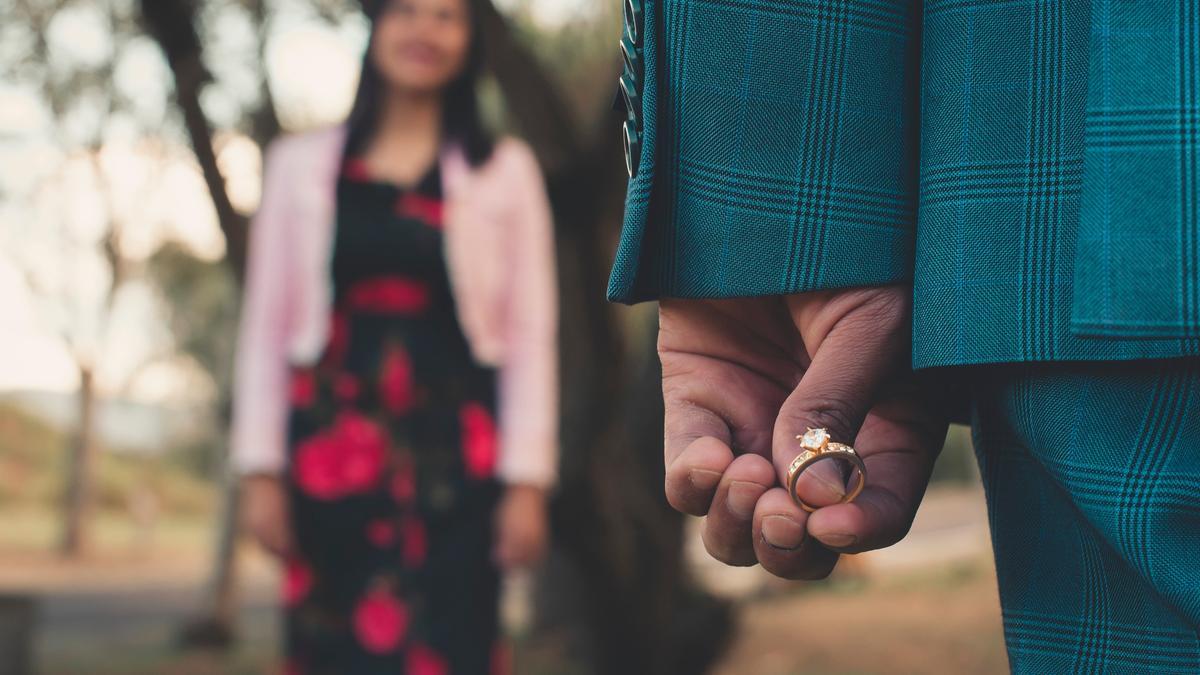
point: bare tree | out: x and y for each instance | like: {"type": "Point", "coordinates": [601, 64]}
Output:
{"type": "Point", "coordinates": [83, 106]}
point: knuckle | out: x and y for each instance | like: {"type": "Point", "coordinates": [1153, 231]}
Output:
{"type": "Point", "coordinates": [893, 535]}
{"type": "Point", "coordinates": [875, 319]}
{"type": "Point", "coordinates": [882, 306]}
{"type": "Point", "coordinates": [674, 367]}
{"type": "Point", "coordinates": [716, 553]}
{"type": "Point", "coordinates": [812, 574]}
{"type": "Point", "coordinates": [830, 412]}
{"type": "Point", "coordinates": [885, 308]}
{"type": "Point", "coordinates": [719, 543]}
{"type": "Point", "coordinates": [684, 499]}
{"type": "Point", "coordinates": [806, 563]}
{"type": "Point", "coordinates": [713, 544]}
{"type": "Point", "coordinates": [798, 567]}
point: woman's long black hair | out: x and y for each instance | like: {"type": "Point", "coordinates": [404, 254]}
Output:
{"type": "Point", "coordinates": [461, 121]}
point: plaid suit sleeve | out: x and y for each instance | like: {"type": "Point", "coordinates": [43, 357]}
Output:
{"type": "Point", "coordinates": [1137, 263]}
{"type": "Point", "coordinates": [779, 153]}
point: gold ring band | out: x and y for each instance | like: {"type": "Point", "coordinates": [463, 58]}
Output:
{"type": "Point", "coordinates": [817, 447]}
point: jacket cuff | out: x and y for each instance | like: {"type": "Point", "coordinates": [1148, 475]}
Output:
{"type": "Point", "coordinates": [758, 262]}
{"type": "Point", "coordinates": [778, 154]}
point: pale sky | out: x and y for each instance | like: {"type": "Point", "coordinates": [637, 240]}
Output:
{"type": "Point", "coordinates": [49, 231]}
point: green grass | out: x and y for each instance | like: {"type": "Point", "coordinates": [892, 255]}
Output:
{"type": "Point", "coordinates": [131, 492]}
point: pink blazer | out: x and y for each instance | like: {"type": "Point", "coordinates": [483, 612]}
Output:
{"type": "Point", "coordinates": [499, 246]}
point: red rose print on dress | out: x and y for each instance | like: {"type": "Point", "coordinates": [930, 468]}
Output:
{"type": "Point", "coordinates": [404, 483]}
{"type": "Point", "coordinates": [297, 581]}
{"type": "Point", "coordinates": [388, 294]}
{"type": "Point", "coordinates": [343, 460]}
{"type": "Point", "coordinates": [345, 387]}
{"type": "Point", "coordinates": [426, 209]}
{"type": "Point", "coordinates": [396, 382]}
{"type": "Point", "coordinates": [364, 448]}
{"type": "Point", "coordinates": [478, 440]}
{"type": "Point", "coordinates": [381, 532]}
{"type": "Point", "coordinates": [303, 387]}
{"type": "Point", "coordinates": [380, 622]}
{"type": "Point", "coordinates": [423, 660]}
{"type": "Point", "coordinates": [413, 541]}
{"type": "Point", "coordinates": [317, 469]}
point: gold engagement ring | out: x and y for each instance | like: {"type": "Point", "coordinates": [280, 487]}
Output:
{"type": "Point", "coordinates": [816, 447]}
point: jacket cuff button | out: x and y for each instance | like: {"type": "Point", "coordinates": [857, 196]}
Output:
{"type": "Point", "coordinates": [633, 142]}
{"type": "Point", "coordinates": [633, 98]}
{"type": "Point", "coordinates": [631, 54]}
{"type": "Point", "coordinates": [633, 20]}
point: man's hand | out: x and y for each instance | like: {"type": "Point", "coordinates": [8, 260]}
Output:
{"type": "Point", "coordinates": [742, 377]}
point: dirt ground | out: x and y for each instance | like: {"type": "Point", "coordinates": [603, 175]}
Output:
{"type": "Point", "coordinates": [944, 621]}
{"type": "Point", "coordinates": [927, 606]}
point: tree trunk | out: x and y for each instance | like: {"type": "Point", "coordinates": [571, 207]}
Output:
{"type": "Point", "coordinates": [213, 624]}
{"type": "Point", "coordinates": [172, 23]}
{"type": "Point", "coordinates": [77, 499]}
{"type": "Point", "coordinates": [223, 582]}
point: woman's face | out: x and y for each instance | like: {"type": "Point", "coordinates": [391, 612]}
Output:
{"type": "Point", "coordinates": [421, 45]}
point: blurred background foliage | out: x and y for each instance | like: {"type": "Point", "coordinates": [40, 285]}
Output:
{"type": "Point", "coordinates": [131, 136]}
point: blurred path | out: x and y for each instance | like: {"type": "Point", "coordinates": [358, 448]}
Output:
{"type": "Point", "coordinates": [927, 605]}
{"type": "Point", "coordinates": [951, 526]}
{"type": "Point", "coordinates": [121, 615]}
{"type": "Point", "coordinates": [936, 622]}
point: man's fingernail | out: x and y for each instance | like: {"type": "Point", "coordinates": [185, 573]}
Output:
{"type": "Point", "coordinates": [782, 532]}
{"type": "Point", "coordinates": [838, 539]}
{"type": "Point", "coordinates": [703, 479]}
{"type": "Point", "coordinates": [742, 497]}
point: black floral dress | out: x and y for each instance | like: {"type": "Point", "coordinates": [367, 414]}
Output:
{"type": "Point", "coordinates": [392, 438]}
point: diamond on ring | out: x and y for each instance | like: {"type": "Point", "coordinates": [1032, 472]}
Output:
{"type": "Point", "coordinates": [814, 439]}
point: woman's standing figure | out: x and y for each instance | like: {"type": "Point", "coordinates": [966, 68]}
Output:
{"type": "Point", "coordinates": [395, 411]}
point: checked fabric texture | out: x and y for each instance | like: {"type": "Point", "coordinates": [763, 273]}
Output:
{"type": "Point", "coordinates": [1031, 166]}
{"type": "Point", "coordinates": [777, 137]}
{"type": "Point", "coordinates": [1090, 472]}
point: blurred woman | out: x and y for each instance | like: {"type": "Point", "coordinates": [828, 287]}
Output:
{"type": "Point", "coordinates": [395, 414]}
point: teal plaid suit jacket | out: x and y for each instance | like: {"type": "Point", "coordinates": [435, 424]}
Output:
{"type": "Point", "coordinates": [1031, 166]}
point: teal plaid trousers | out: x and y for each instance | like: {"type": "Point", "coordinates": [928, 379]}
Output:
{"type": "Point", "coordinates": [1032, 168]}
{"type": "Point", "coordinates": [1090, 472]}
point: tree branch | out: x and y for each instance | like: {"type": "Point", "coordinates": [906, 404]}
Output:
{"type": "Point", "coordinates": [172, 23]}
